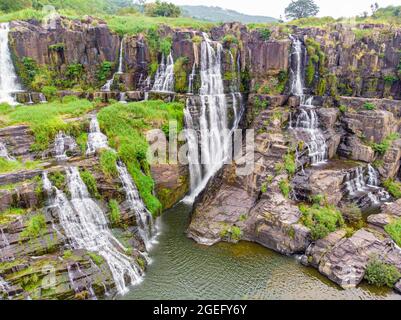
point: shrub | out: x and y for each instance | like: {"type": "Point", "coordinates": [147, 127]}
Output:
{"type": "Point", "coordinates": [115, 214]}
{"type": "Point", "coordinates": [381, 274]}
{"type": "Point", "coordinates": [322, 220]}
{"type": "Point", "coordinates": [57, 179]}
{"type": "Point", "coordinates": [49, 91]}
{"type": "Point", "coordinates": [265, 33]}
{"type": "Point", "coordinates": [229, 39]}
{"type": "Point", "coordinates": [165, 45]}
{"type": "Point", "coordinates": [394, 230]}
{"type": "Point", "coordinates": [285, 187]}
{"type": "Point", "coordinates": [383, 147]}
{"type": "Point", "coordinates": [289, 163]}
{"type": "Point", "coordinates": [235, 233]}
{"type": "Point", "coordinates": [108, 163]}
{"type": "Point", "coordinates": [162, 9]}
{"type": "Point", "coordinates": [393, 187]}
{"type": "Point", "coordinates": [36, 226]}
{"type": "Point", "coordinates": [369, 106]}
{"type": "Point", "coordinates": [180, 76]}
{"type": "Point", "coordinates": [343, 109]}
{"type": "Point", "coordinates": [97, 259]}
{"type": "Point", "coordinates": [104, 71]}
{"type": "Point", "coordinates": [90, 183]}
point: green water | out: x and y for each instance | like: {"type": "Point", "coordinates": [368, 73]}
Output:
{"type": "Point", "coordinates": [182, 269]}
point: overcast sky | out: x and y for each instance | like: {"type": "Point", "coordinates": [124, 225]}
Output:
{"type": "Point", "coordinates": [275, 8]}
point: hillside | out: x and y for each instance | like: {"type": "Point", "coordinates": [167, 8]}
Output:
{"type": "Point", "coordinates": [217, 14]}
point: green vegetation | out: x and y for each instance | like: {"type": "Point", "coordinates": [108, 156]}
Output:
{"type": "Point", "coordinates": [126, 125]}
{"type": "Point", "coordinates": [115, 214]}
{"type": "Point", "coordinates": [383, 147]}
{"type": "Point", "coordinates": [108, 163]}
{"type": "Point", "coordinates": [343, 109]}
{"type": "Point", "coordinates": [97, 259]}
{"type": "Point", "coordinates": [289, 163]}
{"type": "Point", "coordinates": [11, 214]}
{"type": "Point", "coordinates": [180, 75]}
{"type": "Point", "coordinates": [285, 187]}
{"type": "Point", "coordinates": [322, 220]}
{"type": "Point", "coordinates": [90, 183]}
{"type": "Point", "coordinates": [104, 71]}
{"type": "Point", "coordinates": [233, 233]}
{"type": "Point", "coordinates": [162, 9]}
{"type": "Point", "coordinates": [36, 226]}
{"type": "Point", "coordinates": [393, 187]}
{"type": "Point", "coordinates": [381, 274]}
{"type": "Point", "coordinates": [265, 33]}
{"type": "Point", "coordinates": [57, 179]}
{"type": "Point", "coordinates": [230, 39]}
{"type": "Point", "coordinates": [394, 230]}
{"type": "Point", "coordinates": [298, 9]}
{"type": "Point", "coordinates": [46, 120]}
{"type": "Point", "coordinates": [17, 165]}
{"type": "Point", "coordinates": [369, 106]}
{"type": "Point", "coordinates": [317, 58]}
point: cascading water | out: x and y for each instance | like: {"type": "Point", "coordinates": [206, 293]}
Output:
{"type": "Point", "coordinates": [365, 181]}
{"type": "Point", "coordinates": [61, 147]}
{"type": "Point", "coordinates": [4, 153]}
{"type": "Point", "coordinates": [4, 287]}
{"type": "Point", "coordinates": [42, 98]}
{"type": "Point", "coordinates": [207, 157]}
{"type": "Point", "coordinates": [191, 79]}
{"type": "Point", "coordinates": [109, 83]}
{"type": "Point", "coordinates": [307, 123]}
{"type": "Point", "coordinates": [85, 226]}
{"type": "Point", "coordinates": [8, 77]}
{"type": "Point", "coordinates": [143, 216]}
{"type": "Point", "coordinates": [164, 78]}
{"type": "Point", "coordinates": [123, 97]}
{"type": "Point", "coordinates": [96, 139]}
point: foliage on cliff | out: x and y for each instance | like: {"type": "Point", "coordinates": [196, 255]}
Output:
{"type": "Point", "coordinates": [126, 126]}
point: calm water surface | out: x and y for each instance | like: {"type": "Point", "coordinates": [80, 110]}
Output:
{"type": "Point", "coordinates": [182, 269]}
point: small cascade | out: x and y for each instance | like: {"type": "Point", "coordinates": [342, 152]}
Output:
{"type": "Point", "coordinates": [61, 146]}
{"type": "Point", "coordinates": [307, 122]}
{"type": "Point", "coordinates": [143, 216]}
{"type": "Point", "coordinates": [80, 281]}
{"type": "Point", "coordinates": [42, 98]}
{"type": "Point", "coordinates": [86, 227]}
{"type": "Point", "coordinates": [4, 239]}
{"type": "Point", "coordinates": [109, 83]}
{"type": "Point", "coordinates": [207, 156]}
{"type": "Point", "coordinates": [96, 139]}
{"type": "Point", "coordinates": [30, 101]}
{"type": "Point", "coordinates": [191, 79]}
{"type": "Point", "coordinates": [4, 153]}
{"type": "Point", "coordinates": [164, 78]}
{"type": "Point", "coordinates": [8, 77]}
{"type": "Point", "coordinates": [123, 97]}
{"type": "Point", "coordinates": [4, 288]}
{"type": "Point", "coordinates": [365, 181]}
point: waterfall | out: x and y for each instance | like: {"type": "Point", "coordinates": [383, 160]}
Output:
{"type": "Point", "coordinates": [123, 97]}
{"type": "Point", "coordinates": [4, 153]}
{"type": "Point", "coordinates": [86, 227]}
{"type": "Point", "coordinates": [96, 139]}
{"type": "Point", "coordinates": [365, 181]}
{"type": "Point", "coordinates": [8, 77]}
{"type": "Point", "coordinates": [42, 98]}
{"type": "Point", "coordinates": [208, 156]}
{"type": "Point", "coordinates": [30, 98]}
{"type": "Point", "coordinates": [297, 87]}
{"type": "Point", "coordinates": [307, 124]}
{"type": "Point", "coordinates": [109, 83]}
{"type": "Point", "coordinates": [143, 216]}
{"type": "Point", "coordinates": [164, 78]}
{"type": "Point", "coordinates": [61, 146]}
{"type": "Point", "coordinates": [75, 273]}
{"type": "Point", "coordinates": [191, 79]}
{"type": "Point", "coordinates": [4, 287]}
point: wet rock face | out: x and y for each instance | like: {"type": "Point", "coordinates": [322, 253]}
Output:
{"type": "Point", "coordinates": [87, 42]}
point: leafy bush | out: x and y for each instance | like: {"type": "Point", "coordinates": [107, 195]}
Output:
{"type": "Point", "coordinates": [383, 147]}
{"type": "Point", "coordinates": [229, 39]}
{"type": "Point", "coordinates": [162, 9]}
{"type": "Point", "coordinates": [115, 214]}
{"type": "Point", "coordinates": [380, 274]}
{"type": "Point", "coordinates": [97, 259]}
{"type": "Point", "coordinates": [50, 92]}
{"type": "Point", "coordinates": [180, 76]}
{"type": "Point", "coordinates": [285, 187]}
{"type": "Point", "coordinates": [265, 33]}
{"type": "Point", "coordinates": [57, 179]}
{"type": "Point", "coordinates": [322, 220]}
{"type": "Point", "coordinates": [289, 163]}
{"type": "Point", "coordinates": [108, 163]}
{"type": "Point", "coordinates": [343, 109]}
{"type": "Point", "coordinates": [165, 45]}
{"type": "Point", "coordinates": [104, 71]}
{"type": "Point", "coordinates": [36, 226]}
{"type": "Point", "coordinates": [369, 106]}
{"type": "Point", "coordinates": [394, 230]}
{"type": "Point", "coordinates": [90, 183]}
{"type": "Point", "coordinates": [393, 187]}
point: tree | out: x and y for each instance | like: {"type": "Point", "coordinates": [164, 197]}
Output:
{"type": "Point", "coordinates": [162, 9]}
{"type": "Point", "coordinates": [140, 4]}
{"type": "Point", "coordinates": [301, 9]}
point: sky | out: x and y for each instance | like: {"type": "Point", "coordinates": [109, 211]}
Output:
{"type": "Point", "coordinates": [275, 8]}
